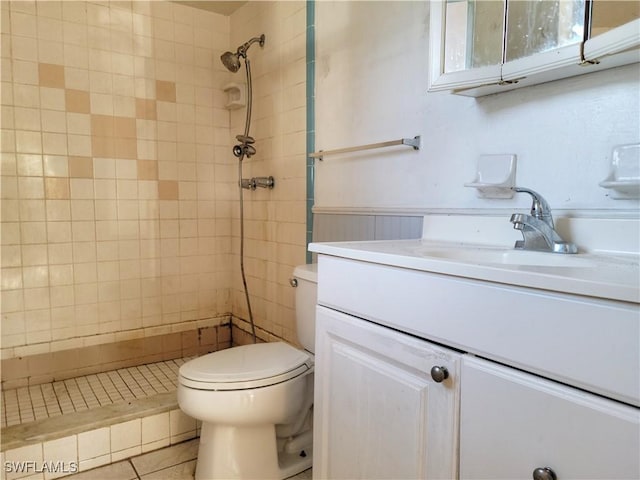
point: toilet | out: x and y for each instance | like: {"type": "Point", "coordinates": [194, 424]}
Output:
{"type": "Point", "coordinates": [255, 401]}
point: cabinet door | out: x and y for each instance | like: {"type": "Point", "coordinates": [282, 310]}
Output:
{"type": "Point", "coordinates": [378, 413]}
{"type": "Point", "coordinates": [512, 423]}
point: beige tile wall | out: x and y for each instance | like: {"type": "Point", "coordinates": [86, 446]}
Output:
{"type": "Point", "coordinates": [275, 219]}
{"type": "Point", "coordinates": [116, 175]}
{"type": "Point", "coordinates": [59, 365]}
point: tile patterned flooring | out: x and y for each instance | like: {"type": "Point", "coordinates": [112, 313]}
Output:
{"type": "Point", "coordinates": [177, 462]}
{"type": "Point", "coordinates": [37, 402]}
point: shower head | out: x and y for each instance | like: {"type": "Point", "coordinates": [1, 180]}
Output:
{"type": "Point", "coordinates": [232, 60]}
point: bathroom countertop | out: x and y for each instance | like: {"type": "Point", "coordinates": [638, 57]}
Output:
{"type": "Point", "coordinates": [605, 276]}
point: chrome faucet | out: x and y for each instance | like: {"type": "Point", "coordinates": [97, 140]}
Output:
{"type": "Point", "coordinates": [537, 229]}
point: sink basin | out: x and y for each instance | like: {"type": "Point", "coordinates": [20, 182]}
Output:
{"type": "Point", "coordinates": [511, 257]}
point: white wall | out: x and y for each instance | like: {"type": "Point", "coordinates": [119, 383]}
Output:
{"type": "Point", "coordinates": [371, 86]}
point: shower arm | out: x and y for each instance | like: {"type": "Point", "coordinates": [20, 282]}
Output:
{"type": "Point", "coordinates": [242, 49]}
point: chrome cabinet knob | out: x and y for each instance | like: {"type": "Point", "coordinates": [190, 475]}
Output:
{"type": "Point", "coordinates": [544, 473]}
{"type": "Point", "coordinates": [439, 374]}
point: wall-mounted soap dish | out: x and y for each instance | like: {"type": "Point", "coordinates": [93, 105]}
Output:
{"type": "Point", "coordinates": [236, 96]}
{"type": "Point", "coordinates": [624, 175]}
{"type": "Point", "coordinates": [495, 175]}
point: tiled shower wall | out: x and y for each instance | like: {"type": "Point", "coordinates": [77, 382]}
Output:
{"type": "Point", "coordinates": [116, 173]}
{"type": "Point", "coordinates": [275, 226]}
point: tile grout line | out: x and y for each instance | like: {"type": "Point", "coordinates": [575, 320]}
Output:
{"type": "Point", "coordinates": [134, 469]}
{"type": "Point", "coordinates": [24, 403]}
{"type": "Point", "coordinates": [131, 383]}
{"type": "Point", "coordinates": [144, 376]}
{"type": "Point", "coordinates": [110, 389]}
{"type": "Point", "coordinates": [165, 367]}
{"type": "Point", "coordinates": [57, 397]}
{"type": "Point", "coordinates": [37, 409]}
{"type": "Point", "coordinates": [153, 380]}
{"type": "Point", "coordinates": [72, 387]}
{"type": "Point", "coordinates": [156, 372]}
{"type": "Point", "coordinates": [94, 383]}
{"type": "Point", "coordinates": [49, 400]}
{"type": "Point", "coordinates": [87, 389]}
{"type": "Point", "coordinates": [3, 409]}
{"type": "Point", "coordinates": [15, 408]}
{"type": "Point", "coordinates": [142, 381]}
{"type": "Point", "coordinates": [123, 389]}
{"type": "Point", "coordinates": [137, 384]}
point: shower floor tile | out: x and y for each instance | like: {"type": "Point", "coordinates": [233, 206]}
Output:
{"type": "Point", "coordinates": [38, 402]}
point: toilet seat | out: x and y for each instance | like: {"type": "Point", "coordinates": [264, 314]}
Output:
{"type": "Point", "coordinates": [245, 367]}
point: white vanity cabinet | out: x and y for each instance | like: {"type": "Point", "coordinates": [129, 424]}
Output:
{"type": "Point", "coordinates": [381, 414]}
{"type": "Point", "coordinates": [542, 384]}
{"type": "Point", "coordinates": [513, 423]}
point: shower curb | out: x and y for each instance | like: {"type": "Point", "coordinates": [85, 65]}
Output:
{"type": "Point", "coordinates": [101, 436]}
{"type": "Point", "coordinates": [61, 426]}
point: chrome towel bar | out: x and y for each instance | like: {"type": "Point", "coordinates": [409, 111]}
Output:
{"type": "Point", "coordinates": [411, 142]}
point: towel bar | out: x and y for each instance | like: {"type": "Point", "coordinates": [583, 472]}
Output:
{"type": "Point", "coordinates": [411, 142]}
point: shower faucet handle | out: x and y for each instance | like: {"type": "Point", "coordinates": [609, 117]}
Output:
{"type": "Point", "coordinates": [255, 182]}
{"type": "Point", "coordinates": [264, 182]}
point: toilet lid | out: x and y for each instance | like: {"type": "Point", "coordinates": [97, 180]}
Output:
{"type": "Point", "coordinates": [247, 366]}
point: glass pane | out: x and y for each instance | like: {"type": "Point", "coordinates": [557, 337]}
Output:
{"type": "Point", "coordinates": [455, 43]}
{"type": "Point", "coordinates": [488, 32]}
{"type": "Point", "coordinates": [535, 26]}
{"type": "Point", "coordinates": [608, 14]}
{"type": "Point", "coordinates": [473, 34]}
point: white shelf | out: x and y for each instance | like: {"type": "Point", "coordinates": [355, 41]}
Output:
{"type": "Point", "coordinates": [495, 176]}
{"type": "Point", "coordinates": [624, 176]}
{"type": "Point", "coordinates": [236, 96]}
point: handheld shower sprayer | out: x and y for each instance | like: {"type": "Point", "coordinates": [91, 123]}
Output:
{"type": "Point", "coordinates": [232, 62]}
{"type": "Point", "coordinates": [246, 149]}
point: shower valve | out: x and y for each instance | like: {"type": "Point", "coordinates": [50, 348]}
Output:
{"type": "Point", "coordinates": [248, 183]}
{"type": "Point", "coordinates": [264, 182]}
{"type": "Point", "coordinates": [255, 182]}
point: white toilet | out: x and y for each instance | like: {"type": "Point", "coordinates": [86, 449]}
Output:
{"type": "Point", "coordinates": [255, 401]}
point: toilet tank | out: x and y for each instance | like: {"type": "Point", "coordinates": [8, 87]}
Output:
{"type": "Point", "coordinates": [306, 299]}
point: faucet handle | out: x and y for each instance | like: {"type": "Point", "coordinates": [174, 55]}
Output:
{"type": "Point", "coordinates": [539, 208]}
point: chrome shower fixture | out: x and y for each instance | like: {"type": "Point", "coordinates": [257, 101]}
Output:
{"type": "Point", "coordinates": [255, 182]}
{"type": "Point", "coordinates": [245, 148]}
{"type": "Point", "coordinates": [232, 60]}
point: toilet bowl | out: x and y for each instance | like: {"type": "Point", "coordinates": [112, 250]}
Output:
{"type": "Point", "coordinates": [255, 401]}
